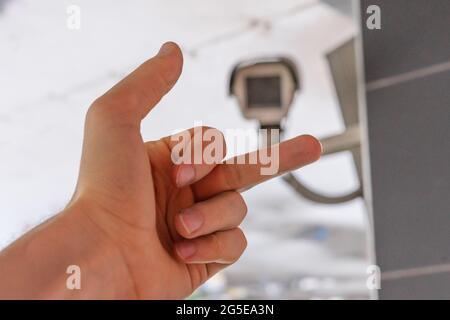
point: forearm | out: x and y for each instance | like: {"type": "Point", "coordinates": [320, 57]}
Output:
{"type": "Point", "coordinates": [34, 267]}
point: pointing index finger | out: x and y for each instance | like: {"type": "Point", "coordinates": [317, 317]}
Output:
{"type": "Point", "coordinates": [291, 154]}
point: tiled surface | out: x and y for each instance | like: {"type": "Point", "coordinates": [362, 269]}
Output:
{"type": "Point", "coordinates": [410, 152]}
{"type": "Point", "coordinates": [431, 287]}
{"type": "Point", "coordinates": [409, 133]}
{"type": "Point", "coordinates": [414, 34]}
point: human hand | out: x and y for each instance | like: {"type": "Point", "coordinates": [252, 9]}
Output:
{"type": "Point", "coordinates": [139, 225]}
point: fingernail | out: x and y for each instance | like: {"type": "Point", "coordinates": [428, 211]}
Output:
{"type": "Point", "coordinates": [191, 219]}
{"type": "Point", "coordinates": [321, 147]}
{"type": "Point", "coordinates": [185, 249]}
{"type": "Point", "coordinates": [165, 49]}
{"type": "Point", "coordinates": [185, 175]}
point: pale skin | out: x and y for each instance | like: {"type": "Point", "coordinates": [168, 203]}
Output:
{"type": "Point", "coordinates": [139, 226]}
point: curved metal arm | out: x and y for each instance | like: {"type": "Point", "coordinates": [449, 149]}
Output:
{"type": "Point", "coordinates": [347, 140]}
{"type": "Point", "coordinates": [350, 139]}
{"type": "Point", "coordinates": [317, 197]}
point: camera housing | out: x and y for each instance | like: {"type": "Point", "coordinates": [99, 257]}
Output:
{"type": "Point", "coordinates": [265, 88]}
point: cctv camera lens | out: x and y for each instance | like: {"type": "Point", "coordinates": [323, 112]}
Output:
{"type": "Point", "coordinates": [263, 92]}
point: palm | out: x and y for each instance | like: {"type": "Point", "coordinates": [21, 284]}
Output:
{"type": "Point", "coordinates": [147, 233]}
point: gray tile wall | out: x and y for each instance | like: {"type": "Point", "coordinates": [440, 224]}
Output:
{"type": "Point", "coordinates": [407, 67]}
{"type": "Point", "coordinates": [429, 287]}
{"type": "Point", "coordinates": [414, 34]}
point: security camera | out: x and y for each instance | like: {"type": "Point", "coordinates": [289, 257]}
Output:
{"type": "Point", "coordinates": [265, 88]}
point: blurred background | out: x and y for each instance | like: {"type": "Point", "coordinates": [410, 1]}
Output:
{"type": "Point", "coordinates": [49, 75]}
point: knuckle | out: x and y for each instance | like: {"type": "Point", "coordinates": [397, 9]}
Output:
{"type": "Point", "coordinates": [96, 108]}
{"type": "Point", "coordinates": [162, 79]}
{"type": "Point", "coordinates": [160, 86]}
{"type": "Point", "coordinates": [241, 203]}
{"type": "Point", "coordinates": [217, 244]}
{"type": "Point", "coordinates": [231, 176]}
{"type": "Point", "coordinates": [213, 136]}
{"type": "Point", "coordinates": [243, 238]}
{"type": "Point", "coordinates": [223, 176]}
{"type": "Point", "coordinates": [241, 244]}
{"type": "Point", "coordinates": [236, 175]}
{"type": "Point", "coordinates": [98, 111]}
{"type": "Point", "coordinates": [110, 110]}
{"type": "Point", "coordinates": [238, 205]}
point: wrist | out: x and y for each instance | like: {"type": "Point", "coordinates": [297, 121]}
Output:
{"type": "Point", "coordinates": [104, 271]}
{"type": "Point", "coordinates": [37, 265]}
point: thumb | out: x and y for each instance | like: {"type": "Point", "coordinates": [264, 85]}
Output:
{"type": "Point", "coordinates": [113, 150]}
{"type": "Point", "coordinates": [132, 98]}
